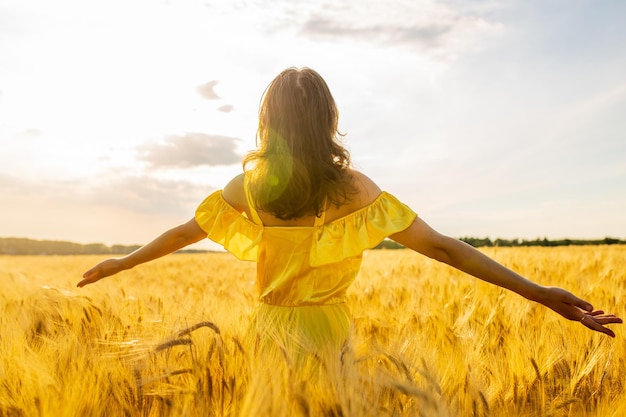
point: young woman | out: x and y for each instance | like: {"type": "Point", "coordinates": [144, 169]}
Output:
{"type": "Point", "coordinates": [306, 217]}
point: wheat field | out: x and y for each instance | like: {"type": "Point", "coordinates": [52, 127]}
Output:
{"type": "Point", "coordinates": [164, 339]}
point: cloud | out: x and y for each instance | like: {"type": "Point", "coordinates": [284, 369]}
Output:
{"type": "Point", "coordinates": [191, 150]}
{"type": "Point", "coordinates": [426, 35]}
{"type": "Point", "coordinates": [138, 193]}
{"type": "Point", "coordinates": [207, 90]}
{"type": "Point", "coordinates": [441, 28]}
{"type": "Point", "coordinates": [422, 26]}
{"type": "Point", "coordinates": [149, 194]}
{"type": "Point", "coordinates": [30, 133]}
{"type": "Point", "coordinates": [41, 187]}
{"type": "Point", "coordinates": [226, 108]}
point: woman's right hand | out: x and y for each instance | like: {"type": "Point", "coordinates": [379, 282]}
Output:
{"type": "Point", "coordinates": [573, 308]}
{"type": "Point", "coordinates": [102, 270]}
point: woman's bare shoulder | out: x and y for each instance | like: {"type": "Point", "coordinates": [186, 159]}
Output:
{"type": "Point", "coordinates": [367, 190]}
{"type": "Point", "coordinates": [235, 195]}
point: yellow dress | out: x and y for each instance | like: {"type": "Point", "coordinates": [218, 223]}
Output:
{"type": "Point", "coordinates": [302, 275]}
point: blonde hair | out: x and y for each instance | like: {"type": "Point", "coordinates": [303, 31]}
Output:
{"type": "Point", "coordinates": [299, 164]}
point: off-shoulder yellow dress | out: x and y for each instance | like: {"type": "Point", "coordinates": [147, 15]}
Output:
{"type": "Point", "coordinates": [302, 274]}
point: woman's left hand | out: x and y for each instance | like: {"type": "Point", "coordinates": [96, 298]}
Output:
{"type": "Point", "coordinates": [102, 270]}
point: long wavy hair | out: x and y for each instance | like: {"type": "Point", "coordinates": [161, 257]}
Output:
{"type": "Point", "coordinates": [299, 164]}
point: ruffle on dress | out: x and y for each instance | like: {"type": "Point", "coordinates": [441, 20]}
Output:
{"type": "Point", "coordinates": [228, 227]}
{"type": "Point", "coordinates": [363, 229]}
{"type": "Point", "coordinates": [332, 242]}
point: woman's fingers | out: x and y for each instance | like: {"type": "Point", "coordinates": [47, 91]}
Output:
{"type": "Point", "coordinates": [83, 283]}
{"type": "Point", "coordinates": [596, 320]}
{"type": "Point", "coordinates": [89, 277]}
{"type": "Point", "coordinates": [606, 319]}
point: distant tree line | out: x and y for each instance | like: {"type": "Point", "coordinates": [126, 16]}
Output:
{"type": "Point", "coordinates": [21, 246]}
{"type": "Point", "coordinates": [477, 242]}
{"type": "Point", "coordinates": [486, 242]}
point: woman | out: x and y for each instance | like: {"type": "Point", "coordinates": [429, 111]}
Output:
{"type": "Point", "coordinates": [306, 217]}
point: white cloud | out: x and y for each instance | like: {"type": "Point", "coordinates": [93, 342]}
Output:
{"type": "Point", "coordinates": [148, 194]}
{"type": "Point", "coordinates": [226, 108]}
{"type": "Point", "coordinates": [191, 150]}
{"type": "Point", "coordinates": [420, 34]}
{"type": "Point", "coordinates": [421, 26]}
{"type": "Point", "coordinates": [207, 90]}
{"type": "Point", "coordinates": [30, 133]}
{"type": "Point", "coordinates": [439, 29]}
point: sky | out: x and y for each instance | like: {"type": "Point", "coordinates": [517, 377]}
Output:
{"type": "Point", "coordinates": [501, 119]}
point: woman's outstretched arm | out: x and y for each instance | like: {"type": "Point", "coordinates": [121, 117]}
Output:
{"type": "Point", "coordinates": [170, 241]}
{"type": "Point", "coordinates": [423, 239]}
